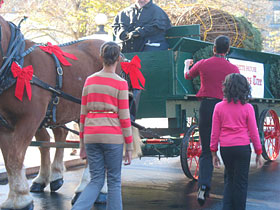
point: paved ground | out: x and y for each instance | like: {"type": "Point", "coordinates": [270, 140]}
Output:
{"type": "Point", "coordinates": [32, 157]}
{"type": "Point", "coordinates": [153, 184]}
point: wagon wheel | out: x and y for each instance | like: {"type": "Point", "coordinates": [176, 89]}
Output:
{"type": "Point", "coordinates": [270, 130]}
{"type": "Point", "coordinates": [190, 152]}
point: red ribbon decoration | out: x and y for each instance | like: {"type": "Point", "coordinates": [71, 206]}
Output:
{"type": "Point", "coordinates": [59, 53]}
{"type": "Point", "coordinates": [132, 68]}
{"type": "Point", "coordinates": [24, 76]}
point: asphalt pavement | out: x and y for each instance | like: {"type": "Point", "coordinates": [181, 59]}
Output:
{"type": "Point", "coordinates": [154, 184]}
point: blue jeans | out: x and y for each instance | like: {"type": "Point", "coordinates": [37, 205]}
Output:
{"type": "Point", "coordinates": [101, 158]}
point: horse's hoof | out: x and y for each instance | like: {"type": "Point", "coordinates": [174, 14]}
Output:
{"type": "Point", "coordinates": [28, 207]}
{"type": "Point", "coordinates": [55, 185]}
{"type": "Point", "coordinates": [101, 199]}
{"type": "Point", "coordinates": [75, 198]}
{"type": "Point", "coordinates": [37, 188]}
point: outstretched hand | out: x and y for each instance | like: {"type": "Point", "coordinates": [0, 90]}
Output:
{"type": "Point", "coordinates": [127, 157]}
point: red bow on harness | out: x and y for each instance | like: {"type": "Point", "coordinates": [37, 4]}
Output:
{"type": "Point", "coordinates": [24, 76]}
{"type": "Point", "coordinates": [132, 69]}
{"type": "Point", "coordinates": [59, 53]}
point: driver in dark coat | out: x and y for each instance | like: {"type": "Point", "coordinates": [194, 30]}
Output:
{"type": "Point", "coordinates": [142, 27]}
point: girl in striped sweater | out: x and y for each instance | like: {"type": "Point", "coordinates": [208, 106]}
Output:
{"type": "Point", "coordinates": [104, 127]}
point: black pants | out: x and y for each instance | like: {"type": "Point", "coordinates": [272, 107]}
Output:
{"type": "Point", "coordinates": [237, 164]}
{"type": "Point", "coordinates": [206, 110]}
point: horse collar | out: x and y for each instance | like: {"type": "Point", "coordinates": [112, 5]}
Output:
{"type": "Point", "coordinates": [15, 48]}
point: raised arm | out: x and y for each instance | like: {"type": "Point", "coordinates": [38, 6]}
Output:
{"type": "Point", "coordinates": [194, 71]}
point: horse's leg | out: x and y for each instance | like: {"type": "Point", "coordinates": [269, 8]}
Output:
{"type": "Point", "coordinates": [14, 145]}
{"type": "Point", "coordinates": [83, 183]}
{"type": "Point", "coordinates": [42, 180]}
{"type": "Point", "coordinates": [57, 167]}
{"type": "Point", "coordinates": [102, 197]}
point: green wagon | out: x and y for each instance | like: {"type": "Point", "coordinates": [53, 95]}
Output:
{"type": "Point", "coordinates": [168, 95]}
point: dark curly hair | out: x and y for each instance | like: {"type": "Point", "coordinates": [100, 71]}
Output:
{"type": "Point", "coordinates": [236, 88]}
{"type": "Point", "coordinates": [110, 52]}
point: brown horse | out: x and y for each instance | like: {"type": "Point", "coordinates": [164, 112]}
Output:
{"type": "Point", "coordinates": [20, 120]}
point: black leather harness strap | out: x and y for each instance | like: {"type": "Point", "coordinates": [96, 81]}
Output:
{"type": "Point", "coordinates": [71, 130]}
{"type": "Point", "coordinates": [55, 97]}
{"type": "Point", "coordinates": [1, 48]}
{"type": "Point", "coordinates": [60, 93]}
{"type": "Point", "coordinates": [15, 48]}
{"type": "Point", "coordinates": [5, 124]}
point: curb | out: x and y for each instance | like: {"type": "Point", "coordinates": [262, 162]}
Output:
{"type": "Point", "coordinates": [34, 170]}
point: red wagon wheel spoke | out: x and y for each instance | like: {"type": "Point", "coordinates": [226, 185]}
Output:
{"type": "Point", "coordinates": [269, 126]}
{"type": "Point", "coordinates": [190, 160]}
{"type": "Point", "coordinates": [197, 168]}
{"type": "Point", "coordinates": [190, 152]}
{"type": "Point", "coordinates": [195, 161]}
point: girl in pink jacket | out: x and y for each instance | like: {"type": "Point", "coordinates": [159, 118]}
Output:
{"type": "Point", "coordinates": [233, 126]}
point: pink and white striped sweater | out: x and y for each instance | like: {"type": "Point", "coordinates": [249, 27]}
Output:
{"type": "Point", "coordinates": [105, 114]}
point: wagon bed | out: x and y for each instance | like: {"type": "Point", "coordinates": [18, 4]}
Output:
{"type": "Point", "coordinates": [168, 95]}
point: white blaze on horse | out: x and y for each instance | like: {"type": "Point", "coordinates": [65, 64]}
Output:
{"type": "Point", "coordinates": [40, 85]}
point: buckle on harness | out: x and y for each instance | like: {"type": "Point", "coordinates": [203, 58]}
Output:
{"type": "Point", "coordinates": [56, 100]}
{"type": "Point", "coordinates": [59, 71]}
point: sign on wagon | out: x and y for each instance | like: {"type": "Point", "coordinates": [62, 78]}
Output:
{"type": "Point", "coordinates": [254, 72]}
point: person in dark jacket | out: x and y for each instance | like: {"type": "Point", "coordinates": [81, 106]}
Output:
{"type": "Point", "coordinates": [142, 27]}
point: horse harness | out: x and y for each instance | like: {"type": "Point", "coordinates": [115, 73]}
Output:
{"type": "Point", "coordinates": [16, 53]}
{"type": "Point", "coordinates": [57, 93]}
